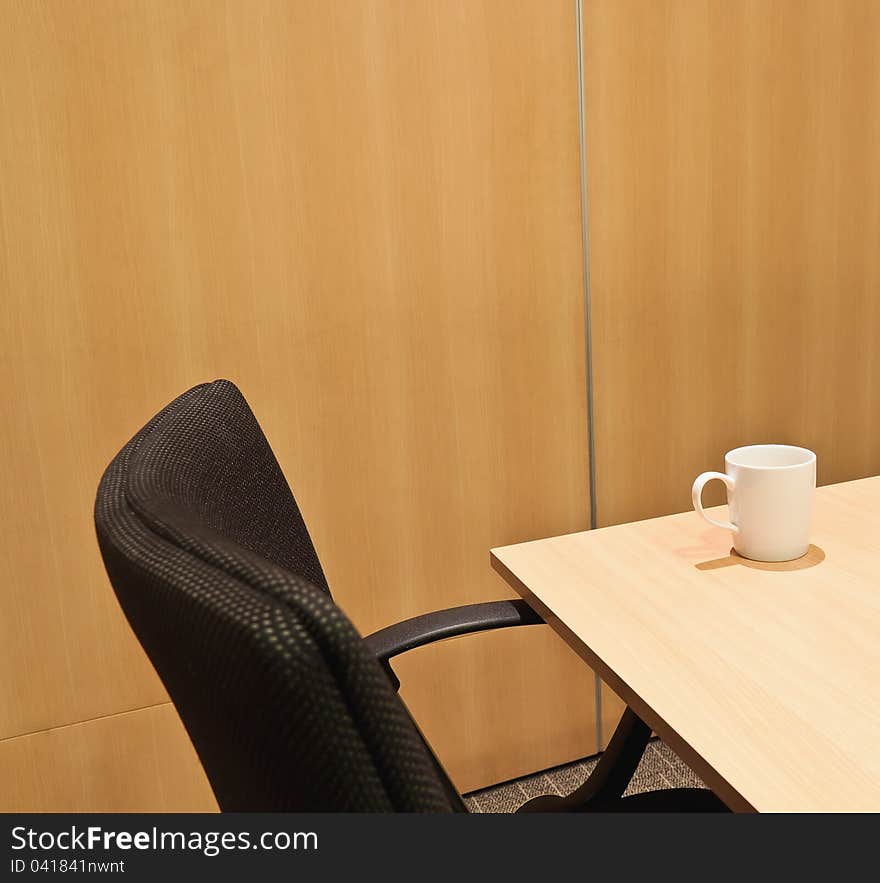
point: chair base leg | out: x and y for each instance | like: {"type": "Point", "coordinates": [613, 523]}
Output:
{"type": "Point", "coordinates": [603, 790]}
{"type": "Point", "coordinates": [612, 774]}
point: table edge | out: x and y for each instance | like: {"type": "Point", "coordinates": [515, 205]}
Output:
{"type": "Point", "coordinates": [713, 779]}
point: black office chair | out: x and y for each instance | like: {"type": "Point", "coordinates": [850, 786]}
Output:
{"type": "Point", "coordinates": [288, 707]}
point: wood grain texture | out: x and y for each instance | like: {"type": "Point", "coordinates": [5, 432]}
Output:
{"type": "Point", "coordinates": [138, 761]}
{"type": "Point", "coordinates": [611, 710]}
{"type": "Point", "coordinates": [764, 677]}
{"type": "Point", "coordinates": [734, 205]}
{"type": "Point", "coordinates": [524, 679]}
{"type": "Point", "coordinates": [367, 216]}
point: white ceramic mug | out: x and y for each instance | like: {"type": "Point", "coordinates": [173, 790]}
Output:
{"type": "Point", "coordinates": [770, 499]}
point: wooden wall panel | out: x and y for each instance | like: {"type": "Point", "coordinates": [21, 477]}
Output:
{"type": "Point", "coordinates": [367, 215]}
{"type": "Point", "coordinates": [137, 761]}
{"type": "Point", "coordinates": [734, 205]}
{"type": "Point", "coordinates": [734, 212]}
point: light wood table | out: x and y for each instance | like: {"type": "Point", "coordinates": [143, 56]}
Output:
{"type": "Point", "coordinates": [764, 677]}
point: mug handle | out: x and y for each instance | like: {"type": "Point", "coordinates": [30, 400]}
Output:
{"type": "Point", "coordinates": [697, 497]}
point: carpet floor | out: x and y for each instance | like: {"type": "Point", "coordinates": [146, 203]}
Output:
{"type": "Point", "coordinates": [660, 768]}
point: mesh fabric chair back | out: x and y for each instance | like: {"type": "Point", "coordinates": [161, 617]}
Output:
{"type": "Point", "coordinates": [212, 563]}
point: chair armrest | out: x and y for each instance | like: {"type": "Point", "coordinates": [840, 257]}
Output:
{"type": "Point", "coordinates": [429, 627]}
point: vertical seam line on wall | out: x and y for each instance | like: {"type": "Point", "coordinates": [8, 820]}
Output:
{"type": "Point", "coordinates": [588, 331]}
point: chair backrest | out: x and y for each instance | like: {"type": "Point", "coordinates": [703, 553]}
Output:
{"type": "Point", "coordinates": [214, 567]}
